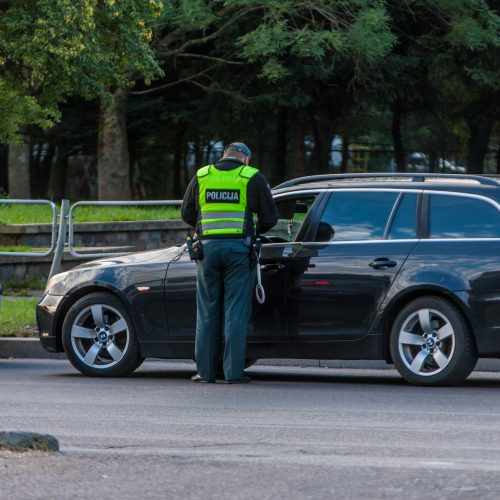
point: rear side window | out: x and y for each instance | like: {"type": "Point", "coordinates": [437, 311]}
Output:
{"type": "Point", "coordinates": [462, 217]}
{"type": "Point", "coordinates": [356, 216]}
{"type": "Point", "coordinates": [404, 224]}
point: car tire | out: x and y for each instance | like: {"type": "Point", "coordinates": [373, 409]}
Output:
{"type": "Point", "coordinates": [431, 343]}
{"type": "Point", "coordinates": [99, 337]}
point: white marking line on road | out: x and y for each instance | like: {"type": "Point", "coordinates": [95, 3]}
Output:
{"type": "Point", "coordinates": [437, 464]}
{"type": "Point", "coordinates": [290, 457]}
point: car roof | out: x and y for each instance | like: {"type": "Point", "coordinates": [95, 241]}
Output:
{"type": "Point", "coordinates": [474, 184]}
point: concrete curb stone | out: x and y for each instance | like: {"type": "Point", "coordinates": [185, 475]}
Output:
{"type": "Point", "coordinates": [30, 348]}
{"type": "Point", "coordinates": [25, 348]}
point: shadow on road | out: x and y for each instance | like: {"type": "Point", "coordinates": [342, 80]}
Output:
{"type": "Point", "coordinates": [261, 375]}
{"type": "Point", "coordinates": [484, 380]}
{"type": "Point", "coordinates": [285, 376]}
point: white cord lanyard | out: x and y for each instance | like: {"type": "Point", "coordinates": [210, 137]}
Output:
{"type": "Point", "coordinates": [260, 293]}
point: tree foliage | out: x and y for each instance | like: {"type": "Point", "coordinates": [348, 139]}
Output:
{"type": "Point", "coordinates": [50, 49]}
{"type": "Point", "coordinates": [285, 75]}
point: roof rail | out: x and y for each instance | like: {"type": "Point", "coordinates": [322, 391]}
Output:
{"type": "Point", "coordinates": [415, 177]}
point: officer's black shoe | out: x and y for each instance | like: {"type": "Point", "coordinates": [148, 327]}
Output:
{"type": "Point", "coordinates": [243, 380]}
{"type": "Point", "coordinates": [199, 378]}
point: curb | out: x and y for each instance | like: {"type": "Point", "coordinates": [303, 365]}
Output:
{"type": "Point", "coordinates": [30, 348]}
{"type": "Point", "coordinates": [15, 440]}
{"type": "Point", "coordinates": [25, 348]}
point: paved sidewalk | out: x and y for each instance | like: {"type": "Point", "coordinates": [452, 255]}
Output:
{"type": "Point", "coordinates": [30, 348]}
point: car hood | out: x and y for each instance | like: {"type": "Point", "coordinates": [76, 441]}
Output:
{"type": "Point", "coordinates": [162, 255]}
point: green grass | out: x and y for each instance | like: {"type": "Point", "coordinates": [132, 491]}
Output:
{"type": "Point", "coordinates": [25, 214]}
{"type": "Point", "coordinates": [39, 214]}
{"type": "Point", "coordinates": [23, 286]}
{"type": "Point", "coordinates": [22, 248]}
{"type": "Point", "coordinates": [17, 316]}
{"type": "Point", "coordinates": [103, 214]}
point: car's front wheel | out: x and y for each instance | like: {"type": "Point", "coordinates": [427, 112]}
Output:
{"type": "Point", "coordinates": [99, 337]}
{"type": "Point", "coordinates": [431, 343]}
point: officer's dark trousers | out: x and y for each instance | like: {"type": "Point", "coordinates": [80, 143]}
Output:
{"type": "Point", "coordinates": [224, 301]}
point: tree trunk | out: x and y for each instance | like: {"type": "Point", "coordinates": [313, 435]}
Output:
{"type": "Point", "coordinates": [344, 166]}
{"type": "Point", "coordinates": [198, 155]}
{"type": "Point", "coordinates": [4, 153]}
{"type": "Point", "coordinates": [59, 174]}
{"type": "Point", "coordinates": [298, 156]}
{"type": "Point", "coordinates": [178, 163]}
{"type": "Point", "coordinates": [480, 130]}
{"type": "Point", "coordinates": [433, 161]}
{"type": "Point", "coordinates": [279, 171]}
{"type": "Point", "coordinates": [208, 152]}
{"type": "Point", "coordinates": [19, 170]}
{"type": "Point", "coordinates": [41, 162]}
{"type": "Point", "coordinates": [323, 131]}
{"type": "Point", "coordinates": [397, 138]}
{"type": "Point", "coordinates": [113, 162]}
{"type": "Point", "coordinates": [35, 160]}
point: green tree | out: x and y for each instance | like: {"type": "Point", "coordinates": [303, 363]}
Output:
{"type": "Point", "coordinates": [444, 69]}
{"type": "Point", "coordinates": [50, 49]}
{"type": "Point", "coordinates": [317, 54]}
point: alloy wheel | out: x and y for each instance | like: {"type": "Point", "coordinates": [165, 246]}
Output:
{"type": "Point", "coordinates": [100, 336]}
{"type": "Point", "coordinates": [426, 342]}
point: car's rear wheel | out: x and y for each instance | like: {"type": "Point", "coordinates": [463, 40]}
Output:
{"type": "Point", "coordinates": [431, 343]}
{"type": "Point", "coordinates": [99, 337]}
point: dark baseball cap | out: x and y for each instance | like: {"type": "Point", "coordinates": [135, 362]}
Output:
{"type": "Point", "coordinates": [240, 147]}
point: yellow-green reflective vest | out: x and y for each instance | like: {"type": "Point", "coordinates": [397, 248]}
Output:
{"type": "Point", "coordinates": [223, 199]}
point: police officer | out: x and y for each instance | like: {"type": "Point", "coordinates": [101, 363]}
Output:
{"type": "Point", "coordinates": [220, 203]}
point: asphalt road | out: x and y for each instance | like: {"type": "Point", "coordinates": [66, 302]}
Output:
{"type": "Point", "coordinates": [293, 433]}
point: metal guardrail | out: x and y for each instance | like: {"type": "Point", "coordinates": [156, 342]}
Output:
{"type": "Point", "coordinates": [71, 223]}
{"type": "Point", "coordinates": [54, 227]}
{"type": "Point", "coordinates": [63, 233]}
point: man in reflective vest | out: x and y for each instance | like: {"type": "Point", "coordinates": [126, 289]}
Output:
{"type": "Point", "coordinates": [220, 202]}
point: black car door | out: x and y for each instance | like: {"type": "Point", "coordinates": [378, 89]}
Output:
{"type": "Point", "coordinates": [296, 211]}
{"type": "Point", "coordinates": [268, 323]}
{"type": "Point", "coordinates": [336, 285]}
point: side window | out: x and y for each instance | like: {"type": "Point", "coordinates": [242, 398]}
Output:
{"type": "Point", "coordinates": [462, 217]}
{"type": "Point", "coordinates": [354, 216]}
{"type": "Point", "coordinates": [292, 214]}
{"type": "Point", "coordinates": [404, 224]}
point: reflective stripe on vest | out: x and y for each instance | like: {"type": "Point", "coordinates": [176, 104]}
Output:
{"type": "Point", "coordinates": [221, 225]}
{"type": "Point", "coordinates": [223, 199]}
{"type": "Point", "coordinates": [224, 215]}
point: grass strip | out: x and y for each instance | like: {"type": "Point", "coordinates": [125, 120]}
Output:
{"type": "Point", "coordinates": [25, 214]}
{"type": "Point", "coordinates": [15, 286]}
{"type": "Point", "coordinates": [42, 214]}
{"type": "Point", "coordinates": [111, 214]}
{"type": "Point", "coordinates": [22, 248]}
{"type": "Point", "coordinates": [17, 316]}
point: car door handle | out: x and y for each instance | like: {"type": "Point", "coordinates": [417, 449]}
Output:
{"type": "Point", "coordinates": [272, 268]}
{"type": "Point", "coordinates": [382, 262]}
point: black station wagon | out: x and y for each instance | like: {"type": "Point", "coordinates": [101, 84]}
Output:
{"type": "Point", "coordinates": [402, 268]}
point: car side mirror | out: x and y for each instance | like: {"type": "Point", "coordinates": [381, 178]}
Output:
{"type": "Point", "coordinates": [286, 209]}
{"type": "Point", "coordinates": [301, 208]}
{"type": "Point", "coordinates": [325, 232]}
